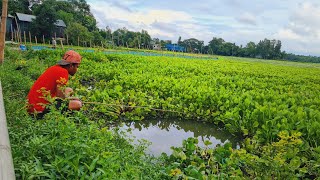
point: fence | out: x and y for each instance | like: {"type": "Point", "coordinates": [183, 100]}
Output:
{"type": "Point", "coordinates": [27, 37]}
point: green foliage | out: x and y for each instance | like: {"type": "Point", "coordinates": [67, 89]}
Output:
{"type": "Point", "coordinates": [63, 146]}
{"type": "Point", "coordinates": [301, 58]}
{"type": "Point", "coordinates": [193, 45]}
{"type": "Point", "coordinates": [82, 14]}
{"type": "Point", "coordinates": [192, 162]}
{"type": "Point", "coordinates": [269, 49]}
{"type": "Point", "coordinates": [65, 16]}
{"type": "Point", "coordinates": [75, 31]}
{"type": "Point", "coordinates": [260, 99]}
{"type": "Point", "coordinates": [72, 148]}
{"type": "Point", "coordinates": [283, 159]}
{"type": "Point", "coordinates": [97, 38]}
{"type": "Point", "coordinates": [274, 105]}
{"type": "Point", "coordinates": [46, 15]}
{"type": "Point", "coordinates": [17, 6]}
{"type": "Point", "coordinates": [265, 49]}
{"type": "Point", "coordinates": [124, 37]}
{"type": "Point", "coordinates": [287, 158]}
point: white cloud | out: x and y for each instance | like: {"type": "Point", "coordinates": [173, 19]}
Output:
{"type": "Point", "coordinates": [109, 14]}
{"type": "Point", "coordinates": [247, 18]}
{"type": "Point", "coordinates": [288, 34]}
{"type": "Point", "coordinates": [166, 16]}
{"type": "Point", "coordinates": [163, 23]}
{"type": "Point", "coordinates": [296, 24]}
{"type": "Point", "coordinates": [302, 33]}
{"type": "Point", "coordinates": [306, 20]}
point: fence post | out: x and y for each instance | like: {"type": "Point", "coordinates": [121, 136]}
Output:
{"type": "Point", "coordinates": [24, 37]}
{"type": "Point", "coordinates": [61, 44]}
{"type": "Point", "coordinates": [30, 37]}
{"type": "Point", "coordinates": [6, 162]}
{"type": "Point", "coordinates": [14, 35]}
{"type": "Point", "coordinates": [67, 40]}
{"type": "Point", "coordinates": [20, 37]}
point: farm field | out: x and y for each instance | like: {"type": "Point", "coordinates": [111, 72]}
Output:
{"type": "Point", "coordinates": [274, 106]}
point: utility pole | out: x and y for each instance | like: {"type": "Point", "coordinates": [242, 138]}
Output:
{"type": "Point", "coordinates": [3, 29]}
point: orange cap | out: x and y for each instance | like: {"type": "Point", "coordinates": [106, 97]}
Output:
{"type": "Point", "coordinates": [70, 57]}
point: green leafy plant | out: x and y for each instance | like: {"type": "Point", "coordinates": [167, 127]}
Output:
{"type": "Point", "coordinates": [274, 106]}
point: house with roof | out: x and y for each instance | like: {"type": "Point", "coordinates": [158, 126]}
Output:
{"type": "Point", "coordinates": [23, 23]}
{"type": "Point", "coordinates": [156, 46]}
{"type": "Point", "coordinates": [9, 23]}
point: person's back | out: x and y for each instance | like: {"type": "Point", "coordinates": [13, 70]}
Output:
{"type": "Point", "coordinates": [51, 85]}
{"type": "Point", "coordinates": [46, 87]}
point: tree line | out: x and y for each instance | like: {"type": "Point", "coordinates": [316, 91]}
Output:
{"type": "Point", "coordinates": [82, 26]}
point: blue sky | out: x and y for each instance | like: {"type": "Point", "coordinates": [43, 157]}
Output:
{"type": "Point", "coordinates": [295, 22]}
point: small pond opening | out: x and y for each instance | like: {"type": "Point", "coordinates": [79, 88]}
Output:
{"type": "Point", "coordinates": [163, 134]}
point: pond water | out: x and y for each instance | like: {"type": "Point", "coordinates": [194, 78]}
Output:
{"type": "Point", "coordinates": [162, 134]}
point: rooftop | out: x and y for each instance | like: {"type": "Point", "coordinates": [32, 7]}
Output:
{"type": "Point", "coordinates": [29, 18]}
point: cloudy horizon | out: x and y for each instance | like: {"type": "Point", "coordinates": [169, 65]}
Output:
{"type": "Point", "coordinates": [295, 23]}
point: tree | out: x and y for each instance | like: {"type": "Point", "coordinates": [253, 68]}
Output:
{"type": "Point", "coordinates": [81, 11]}
{"type": "Point", "coordinates": [118, 36]}
{"type": "Point", "coordinates": [216, 45]}
{"type": "Point", "coordinates": [227, 49]}
{"type": "Point", "coordinates": [134, 43]}
{"type": "Point", "coordinates": [179, 40]}
{"type": "Point", "coordinates": [192, 45]}
{"type": "Point", "coordinates": [66, 17]}
{"type": "Point", "coordinates": [124, 37]}
{"type": "Point", "coordinates": [75, 31]}
{"type": "Point", "coordinates": [20, 6]}
{"type": "Point", "coordinates": [108, 33]}
{"type": "Point", "coordinates": [145, 38]}
{"type": "Point", "coordinates": [46, 17]}
{"type": "Point", "coordinates": [250, 50]}
{"type": "Point", "coordinates": [164, 42]}
{"type": "Point", "coordinates": [277, 50]}
{"type": "Point", "coordinates": [97, 38]}
{"type": "Point", "coordinates": [65, 6]}
{"type": "Point", "coordinates": [90, 23]}
{"type": "Point", "coordinates": [263, 48]}
{"type": "Point", "coordinates": [81, 6]}
{"type": "Point", "coordinates": [269, 49]}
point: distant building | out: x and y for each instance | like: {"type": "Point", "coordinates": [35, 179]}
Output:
{"type": "Point", "coordinates": [23, 21]}
{"type": "Point", "coordinates": [9, 23]}
{"type": "Point", "coordinates": [156, 46]}
{"type": "Point", "coordinates": [175, 47]}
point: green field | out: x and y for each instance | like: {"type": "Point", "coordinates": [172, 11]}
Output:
{"type": "Point", "coordinates": [273, 105]}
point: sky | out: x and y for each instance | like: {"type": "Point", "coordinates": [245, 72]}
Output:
{"type": "Point", "coordinates": [296, 23]}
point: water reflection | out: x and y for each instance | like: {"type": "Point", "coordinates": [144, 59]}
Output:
{"type": "Point", "coordinates": [166, 133]}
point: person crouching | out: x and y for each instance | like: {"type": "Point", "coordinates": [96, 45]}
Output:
{"type": "Point", "coordinates": [51, 85]}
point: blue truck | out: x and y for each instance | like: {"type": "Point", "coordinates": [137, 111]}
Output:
{"type": "Point", "coordinates": [175, 47]}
